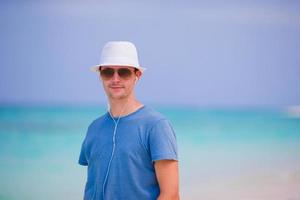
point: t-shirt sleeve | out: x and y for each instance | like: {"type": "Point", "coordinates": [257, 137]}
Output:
{"type": "Point", "coordinates": [82, 157]}
{"type": "Point", "coordinates": [162, 141]}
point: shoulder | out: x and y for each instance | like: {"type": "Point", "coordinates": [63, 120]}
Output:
{"type": "Point", "coordinates": [154, 114]}
{"type": "Point", "coordinates": [152, 117]}
{"type": "Point", "coordinates": [98, 121]}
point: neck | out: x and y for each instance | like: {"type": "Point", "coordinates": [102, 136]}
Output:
{"type": "Point", "coordinates": [122, 107]}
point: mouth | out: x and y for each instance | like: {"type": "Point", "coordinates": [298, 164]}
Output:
{"type": "Point", "coordinates": [116, 87]}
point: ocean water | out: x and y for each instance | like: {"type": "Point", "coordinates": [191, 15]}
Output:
{"type": "Point", "coordinates": [225, 154]}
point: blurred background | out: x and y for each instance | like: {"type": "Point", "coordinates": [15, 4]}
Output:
{"type": "Point", "coordinates": [226, 74]}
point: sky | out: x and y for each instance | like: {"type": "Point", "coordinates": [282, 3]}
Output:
{"type": "Point", "coordinates": [204, 53]}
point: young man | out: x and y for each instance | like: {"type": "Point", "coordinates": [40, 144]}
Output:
{"type": "Point", "coordinates": [131, 150]}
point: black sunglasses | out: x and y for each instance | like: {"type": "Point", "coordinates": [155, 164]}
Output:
{"type": "Point", "coordinates": [108, 73]}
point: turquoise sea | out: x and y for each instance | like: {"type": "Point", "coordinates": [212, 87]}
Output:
{"type": "Point", "coordinates": [225, 154]}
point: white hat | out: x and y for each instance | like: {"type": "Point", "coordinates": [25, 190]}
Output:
{"type": "Point", "coordinates": [118, 53]}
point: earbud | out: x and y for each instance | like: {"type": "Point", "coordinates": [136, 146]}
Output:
{"type": "Point", "coordinates": [136, 79]}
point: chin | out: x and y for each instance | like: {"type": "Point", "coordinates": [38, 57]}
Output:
{"type": "Point", "coordinates": [117, 96]}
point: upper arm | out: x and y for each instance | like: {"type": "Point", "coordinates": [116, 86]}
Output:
{"type": "Point", "coordinates": [163, 151]}
{"type": "Point", "coordinates": [168, 177]}
{"type": "Point", "coordinates": [83, 160]}
{"type": "Point", "coordinates": [162, 142]}
{"type": "Point", "coordinates": [82, 156]}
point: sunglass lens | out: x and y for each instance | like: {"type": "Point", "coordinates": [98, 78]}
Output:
{"type": "Point", "coordinates": [107, 73]}
{"type": "Point", "coordinates": [124, 73]}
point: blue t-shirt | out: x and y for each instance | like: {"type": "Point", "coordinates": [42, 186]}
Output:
{"type": "Point", "coordinates": [142, 137]}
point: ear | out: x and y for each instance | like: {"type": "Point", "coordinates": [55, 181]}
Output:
{"type": "Point", "coordinates": [138, 74]}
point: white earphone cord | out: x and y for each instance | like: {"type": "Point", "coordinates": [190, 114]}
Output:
{"type": "Point", "coordinates": [112, 153]}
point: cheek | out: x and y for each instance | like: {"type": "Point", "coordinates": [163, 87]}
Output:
{"type": "Point", "coordinates": [131, 84]}
{"type": "Point", "coordinates": [104, 85]}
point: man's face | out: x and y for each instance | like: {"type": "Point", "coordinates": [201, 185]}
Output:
{"type": "Point", "coordinates": [118, 81]}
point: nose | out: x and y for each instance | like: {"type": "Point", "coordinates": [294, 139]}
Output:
{"type": "Point", "coordinates": [116, 77]}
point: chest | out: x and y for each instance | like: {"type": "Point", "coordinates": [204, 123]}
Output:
{"type": "Point", "coordinates": [128, 141]}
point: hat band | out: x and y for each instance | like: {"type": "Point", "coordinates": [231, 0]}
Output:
{"type": "Point", "coordinates": [119, 61]}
